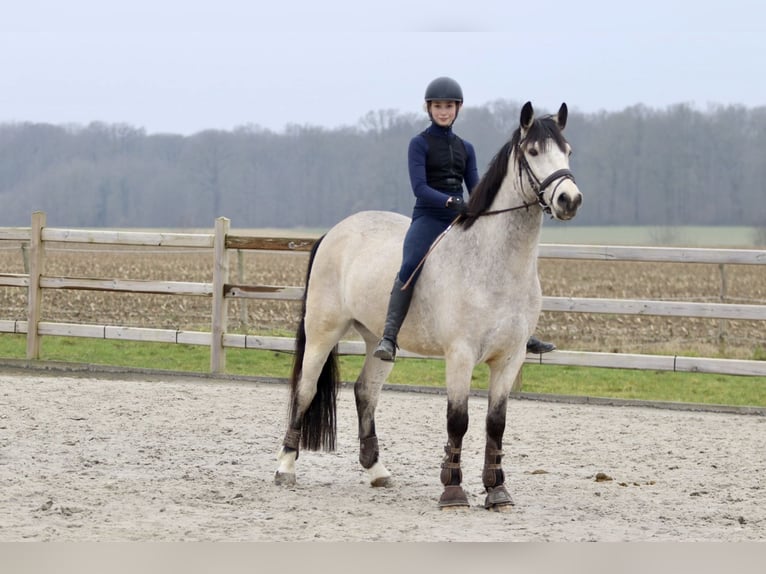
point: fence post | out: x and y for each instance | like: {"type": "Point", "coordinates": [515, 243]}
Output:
{"type": "Point", "coordinates": [25, 257]}
{"type": "Point", "coordinates": [722, 322]}
{"type": "Point", "coordinates": [241, 280]}
{"type": "Point", "coordinates": [220, 304]}
{"type": "Point", "coordinates": [34, 293]}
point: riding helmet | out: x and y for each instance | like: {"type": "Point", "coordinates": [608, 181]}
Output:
{"type": "Point", "coordinates": [444, 88]}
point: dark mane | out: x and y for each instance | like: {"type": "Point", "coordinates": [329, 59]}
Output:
{"type": "Point", "coordinates": [542, 131]}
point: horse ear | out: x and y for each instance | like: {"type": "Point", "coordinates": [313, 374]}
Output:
{"type": "Point", "coordinates": [527, 115]}
{"type": "Point", "coordinates": [561, 117]}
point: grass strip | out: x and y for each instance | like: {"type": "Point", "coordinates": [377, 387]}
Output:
{"type": "Point", "coordinates": [553, 379]}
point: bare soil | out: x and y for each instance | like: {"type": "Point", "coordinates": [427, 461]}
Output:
{"type": "Point", "coordinates": [139, 458]}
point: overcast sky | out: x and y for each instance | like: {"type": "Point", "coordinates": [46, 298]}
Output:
{"type": "Point", "coordinates": [182, 66]}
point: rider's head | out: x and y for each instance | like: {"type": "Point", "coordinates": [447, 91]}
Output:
{"type": "Point", "coordinates": [444, 97]}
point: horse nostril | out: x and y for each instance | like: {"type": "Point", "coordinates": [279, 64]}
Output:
{"type": "Point", "coordinates": [569, 202]}
{"type": "Point", "coordinates": [565, 201]}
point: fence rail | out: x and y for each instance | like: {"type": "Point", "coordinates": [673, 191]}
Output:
{"type": "Point", "coordinates": [222, 242]}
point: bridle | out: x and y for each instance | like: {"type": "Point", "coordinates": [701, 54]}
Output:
{"type": "Point", "coordinates": [539, 187]}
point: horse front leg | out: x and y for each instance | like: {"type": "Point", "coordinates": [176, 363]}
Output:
{"type": "Point", "coordinates": [458, 386]}
{"type": "Point", "coordinates": [451, 474]}
{"type": "Point", "coordinates": [493, 477]}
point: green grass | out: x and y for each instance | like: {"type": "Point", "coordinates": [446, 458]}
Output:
{"type": "Point", "coordinates": [582, 381]}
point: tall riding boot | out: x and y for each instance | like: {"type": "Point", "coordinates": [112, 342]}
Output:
{"type": "Point", "coordinates": [537, 346]}
{"type": "Point", "coordinates": [398, 305]}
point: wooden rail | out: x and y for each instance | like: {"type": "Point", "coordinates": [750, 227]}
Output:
{"type": "Point", "coordinates": [221, 243]}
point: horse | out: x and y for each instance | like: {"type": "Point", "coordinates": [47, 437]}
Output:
{"type": "Point", "coordinates": [477, 300]}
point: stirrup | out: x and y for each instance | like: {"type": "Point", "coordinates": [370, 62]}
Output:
{"type": "Point", "coordinates": [386, 350]}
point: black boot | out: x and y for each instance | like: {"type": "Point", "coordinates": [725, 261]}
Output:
{"type": "Point", "coordinates": [538, 347]}
{"type": "Point", "coordinates": [398, 305]}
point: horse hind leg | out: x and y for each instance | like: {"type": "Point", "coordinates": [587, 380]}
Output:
{"type": "Point", "coordinates": [312, 414]}
{"type": "Point", "coordinates": [368, 457]}
{"type": "Point", "coordinates": [367, 393]}
{"type": "Point", "coordinates": [288, 454]}
{"type": "Point", "coordinates": [315, 376]}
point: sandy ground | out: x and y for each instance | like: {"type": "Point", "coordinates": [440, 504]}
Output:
{"type": "Point", "coordinates": [127, 458]}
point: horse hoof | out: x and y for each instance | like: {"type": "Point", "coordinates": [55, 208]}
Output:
{"type": "Point", "coordinates": [454, 508]}
{"type": "Point", "coordinates": [453, 498]}
{"type": "Point", "coordinates": [284, 478]}
{"type": "Point", "coordinates": [498, 499]}
{"type": "Point", "coordinates": [379, 475]}
{"type": "Point", "coordinates": [382, 482]}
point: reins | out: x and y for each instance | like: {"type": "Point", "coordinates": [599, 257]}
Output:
{"type": "Point", "coordinates": [537, 186]}
{"type": "Point", "coordinates": [506, 210]}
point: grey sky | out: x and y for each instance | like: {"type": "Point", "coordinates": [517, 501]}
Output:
{"type": "Point", "coordinates": [184, 66]}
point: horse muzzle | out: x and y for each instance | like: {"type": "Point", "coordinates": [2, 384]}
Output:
{"type": "Point", "coordinates": [566, 202]}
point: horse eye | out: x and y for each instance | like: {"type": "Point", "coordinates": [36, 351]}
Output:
{"type": "Point", "coordinates": [533, 152]}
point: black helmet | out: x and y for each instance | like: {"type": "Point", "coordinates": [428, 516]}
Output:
{"type": "Point", "coordinates": [444, 88]}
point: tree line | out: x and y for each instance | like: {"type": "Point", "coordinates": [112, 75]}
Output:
{"type": "Point", "coordinates": [638, 166]}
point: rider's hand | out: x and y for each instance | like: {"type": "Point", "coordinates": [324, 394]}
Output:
{"type": "Point", "coordinates": [456, 203]}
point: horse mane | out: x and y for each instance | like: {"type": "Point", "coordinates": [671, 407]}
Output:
{"type": "Point", "coordinates": [542, 131]}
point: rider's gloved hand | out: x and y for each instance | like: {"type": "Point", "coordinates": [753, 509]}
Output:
{"type": "Point", "coordinates": [456, 203]}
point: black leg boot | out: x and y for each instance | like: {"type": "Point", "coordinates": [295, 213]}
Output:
{"type": "Point", "coordinates": [398, 305]}
{"type": "Point", "coordinates": [537, 346]}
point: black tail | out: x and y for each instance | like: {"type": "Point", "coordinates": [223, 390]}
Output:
{"type": "Point", "coordinates": [318, 425]}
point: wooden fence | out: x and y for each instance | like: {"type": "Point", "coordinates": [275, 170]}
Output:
{"type": "Point", "coordinates": [221, 243]}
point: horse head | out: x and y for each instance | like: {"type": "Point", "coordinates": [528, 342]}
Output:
{"type": "Point", "coordinates": [542, 155]}
{"type": "Point", "coordinates": [538, 153]}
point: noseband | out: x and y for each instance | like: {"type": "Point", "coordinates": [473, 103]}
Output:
{"type": "Point", "coordinates": [539, 187]}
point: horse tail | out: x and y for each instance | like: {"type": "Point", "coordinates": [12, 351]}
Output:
{"type": "Point", "coordinates": [318, 425]}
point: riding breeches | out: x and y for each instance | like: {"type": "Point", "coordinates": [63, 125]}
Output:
{"type": "Point", "coordinates": [421, 234]}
